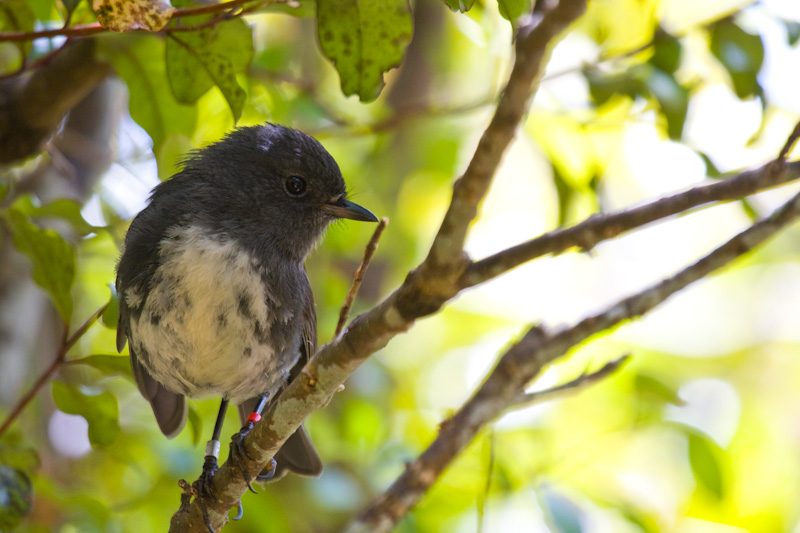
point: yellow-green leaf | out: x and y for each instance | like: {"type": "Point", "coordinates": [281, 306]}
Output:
{"type": "Point", "coordinates": [139, 61]}
{"type": "Point", "coordinates": [63, 208]}
{"type": "Point", "coordinates": [53, 259]}
{"type": "Point", "coordinates": [107, 364]}
{"type": "Point", "coordinates": [99, 410]}
{"type": "Point", "coordinates": [741, 53]}
{"type": "Point", "coordinates": [511, 10]}
{"type": "Point", "coordinates": [460, 5]}
{"type": "Point", "coordinates": [198, 60]}
{"type": "Point", "coordinates": [704, 458]}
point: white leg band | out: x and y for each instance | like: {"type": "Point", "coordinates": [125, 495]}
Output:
{"type": "Point", "coordinates": [212, 448]}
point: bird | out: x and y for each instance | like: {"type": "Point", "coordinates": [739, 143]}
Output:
{"type": "Point", "coordinates": [214, 299]}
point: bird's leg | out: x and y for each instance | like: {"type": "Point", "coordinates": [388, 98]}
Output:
{"type": "Point", "coordinates": [203, 484]}
{"type": "Point", "coordinates": [237, 444]}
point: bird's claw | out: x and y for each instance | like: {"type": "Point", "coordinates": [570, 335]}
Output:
{"type": "Point", "coordinates": [202, 487]}
{"type": "Point", "coordinates": [240, 513]}
{"type": "Point", "coordinates": [238, 450]}
{"type": "Point", "coordinates": [271, 468]}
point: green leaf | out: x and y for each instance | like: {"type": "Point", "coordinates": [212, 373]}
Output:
{"type": "Point", "coordinates": [139, 61]}
{"type": "Point", "coordinates": [198, 60]}
{"type": "Point", "coordinates": [171, 155]}
{"type": "Point", "coordinates": [63, 208]}
{"type": "Point", "coordinates": [70, 4]}
{"type": "Point", "coordinates": [667, 51]}
{"type": "Point", "coordinates": [705, 463]}
{"type": "Point", "coordinates": [741, 53]}
{"type": "Point", "coordinates": [110, 316]}
{"type": "Point", "coordinates": [750, 210]}
{"type": "Point", "coordinates": [195, 423]}
{"type": "Point", "coordinates": [792, 31]}
{"type": "Point", "coordinates": [603, 86]}
{"type": "Point", "coordinates": [363, 39]}
{"type": "Point", "coordinates": [119, 365]}
{"type": "Point", "coordinates": [511, 10]}
{"type": "Point", "coordinates": [16, 15]}
{"type": "Point", "coordinates": [99, 410]}
{"type": "Point", "coordinates": [645, 522]}
{"type": "Point", "coordinates": [653, 389]}
{"type": "Point", "coordinates": [566, 193]}
{"type": "Point", "coordinates": [672, 98]}
{"type": "Point", "coordinates": [25, 459]}
{"type": "Point", "coordinates": [711, 169]}
{"type": "Point", "coordinates": [16, 497]}
{"type": "Point", "coordinates": [53, 259]}
{"type": "Point", "coordinates": [460, 5]}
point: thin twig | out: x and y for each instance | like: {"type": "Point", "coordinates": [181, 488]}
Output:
{"type": "Point", "coordinates": [598, 228]}
{"type": "Point", "coordinates": [68, 343]}
{"type": "Point", "coordinates": [358, 277]}
{"type": "Point", "coordinates": [789, 144]}
{"type": "Point", "coordinates": [85, 30]}
{"type": "Point", "coordinates": [483, 497]}
{"type": "Point", "coordinates": [585, 379]}
{"type": "Point", "coordinates": [533, 40]}
{"type": "Point", "coordinates": [526, 359]}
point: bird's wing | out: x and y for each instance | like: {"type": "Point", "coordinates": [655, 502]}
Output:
{"type": "Point", "coordinates": [297, 454]}
{"type": "Point", "coordinates": [134, 272]}
{"type": "Point", "coordinates": [169, 408]}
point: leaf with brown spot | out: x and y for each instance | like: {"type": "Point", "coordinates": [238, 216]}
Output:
{"type": "Point", "coordinates": [130, 15]}
{"type": "Point", "coordinates": [364, 39]}
{"type": "Point", "coordinates": [198, 60]}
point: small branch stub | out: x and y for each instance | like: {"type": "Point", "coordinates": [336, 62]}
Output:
{"type": "Point", "coordinates": [358, 277]}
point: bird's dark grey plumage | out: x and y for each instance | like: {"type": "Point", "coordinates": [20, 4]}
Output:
{"type": "Point", "coordinates": [214, 297]}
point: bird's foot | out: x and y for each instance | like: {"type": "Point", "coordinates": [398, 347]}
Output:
{"type": "Point", "coordinates": [238, 451]}
{"type": "Point", "coordinates": [202, 487]}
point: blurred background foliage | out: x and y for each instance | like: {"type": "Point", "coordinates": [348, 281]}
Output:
{"type": "Point", "coordinates": [699, 432]}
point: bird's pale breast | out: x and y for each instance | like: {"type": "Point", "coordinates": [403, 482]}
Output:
{"type": "Point", "coordinates": [205, 326]}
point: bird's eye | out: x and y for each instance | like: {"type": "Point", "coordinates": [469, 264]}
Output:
{"type": "Point", "coordinates": [295, 186]}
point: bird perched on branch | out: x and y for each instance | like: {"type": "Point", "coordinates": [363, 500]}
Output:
{"type": "Point", "coordinates": [214, 297]}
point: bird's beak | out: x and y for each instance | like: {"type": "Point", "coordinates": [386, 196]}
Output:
{"type": "Point", "coordinates": [347, 209]}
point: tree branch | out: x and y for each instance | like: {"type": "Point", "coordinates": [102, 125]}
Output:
{"type": "Point", "coordinates": [85, 30]}
{"type": "Point", "coordinates": [31, 108]}
{"type": "Point", "coordinates": [59, 359]}
{"type": "Point", "coordinates": [527, 398]}
{"type": "Point", "coordinates": [533, 41]}
{"type": "Point", "coordinates": [599, 228]}
{"type": "Point", "coordinates": [422, 293]}
{"type": "Point", "coordinates": [525, 360]}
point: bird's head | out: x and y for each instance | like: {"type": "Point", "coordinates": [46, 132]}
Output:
{"type": "Point", "coordinates": [272, 187]}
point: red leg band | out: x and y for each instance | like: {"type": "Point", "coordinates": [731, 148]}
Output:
{"type": "Point", "coordinates": [254, 417]}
